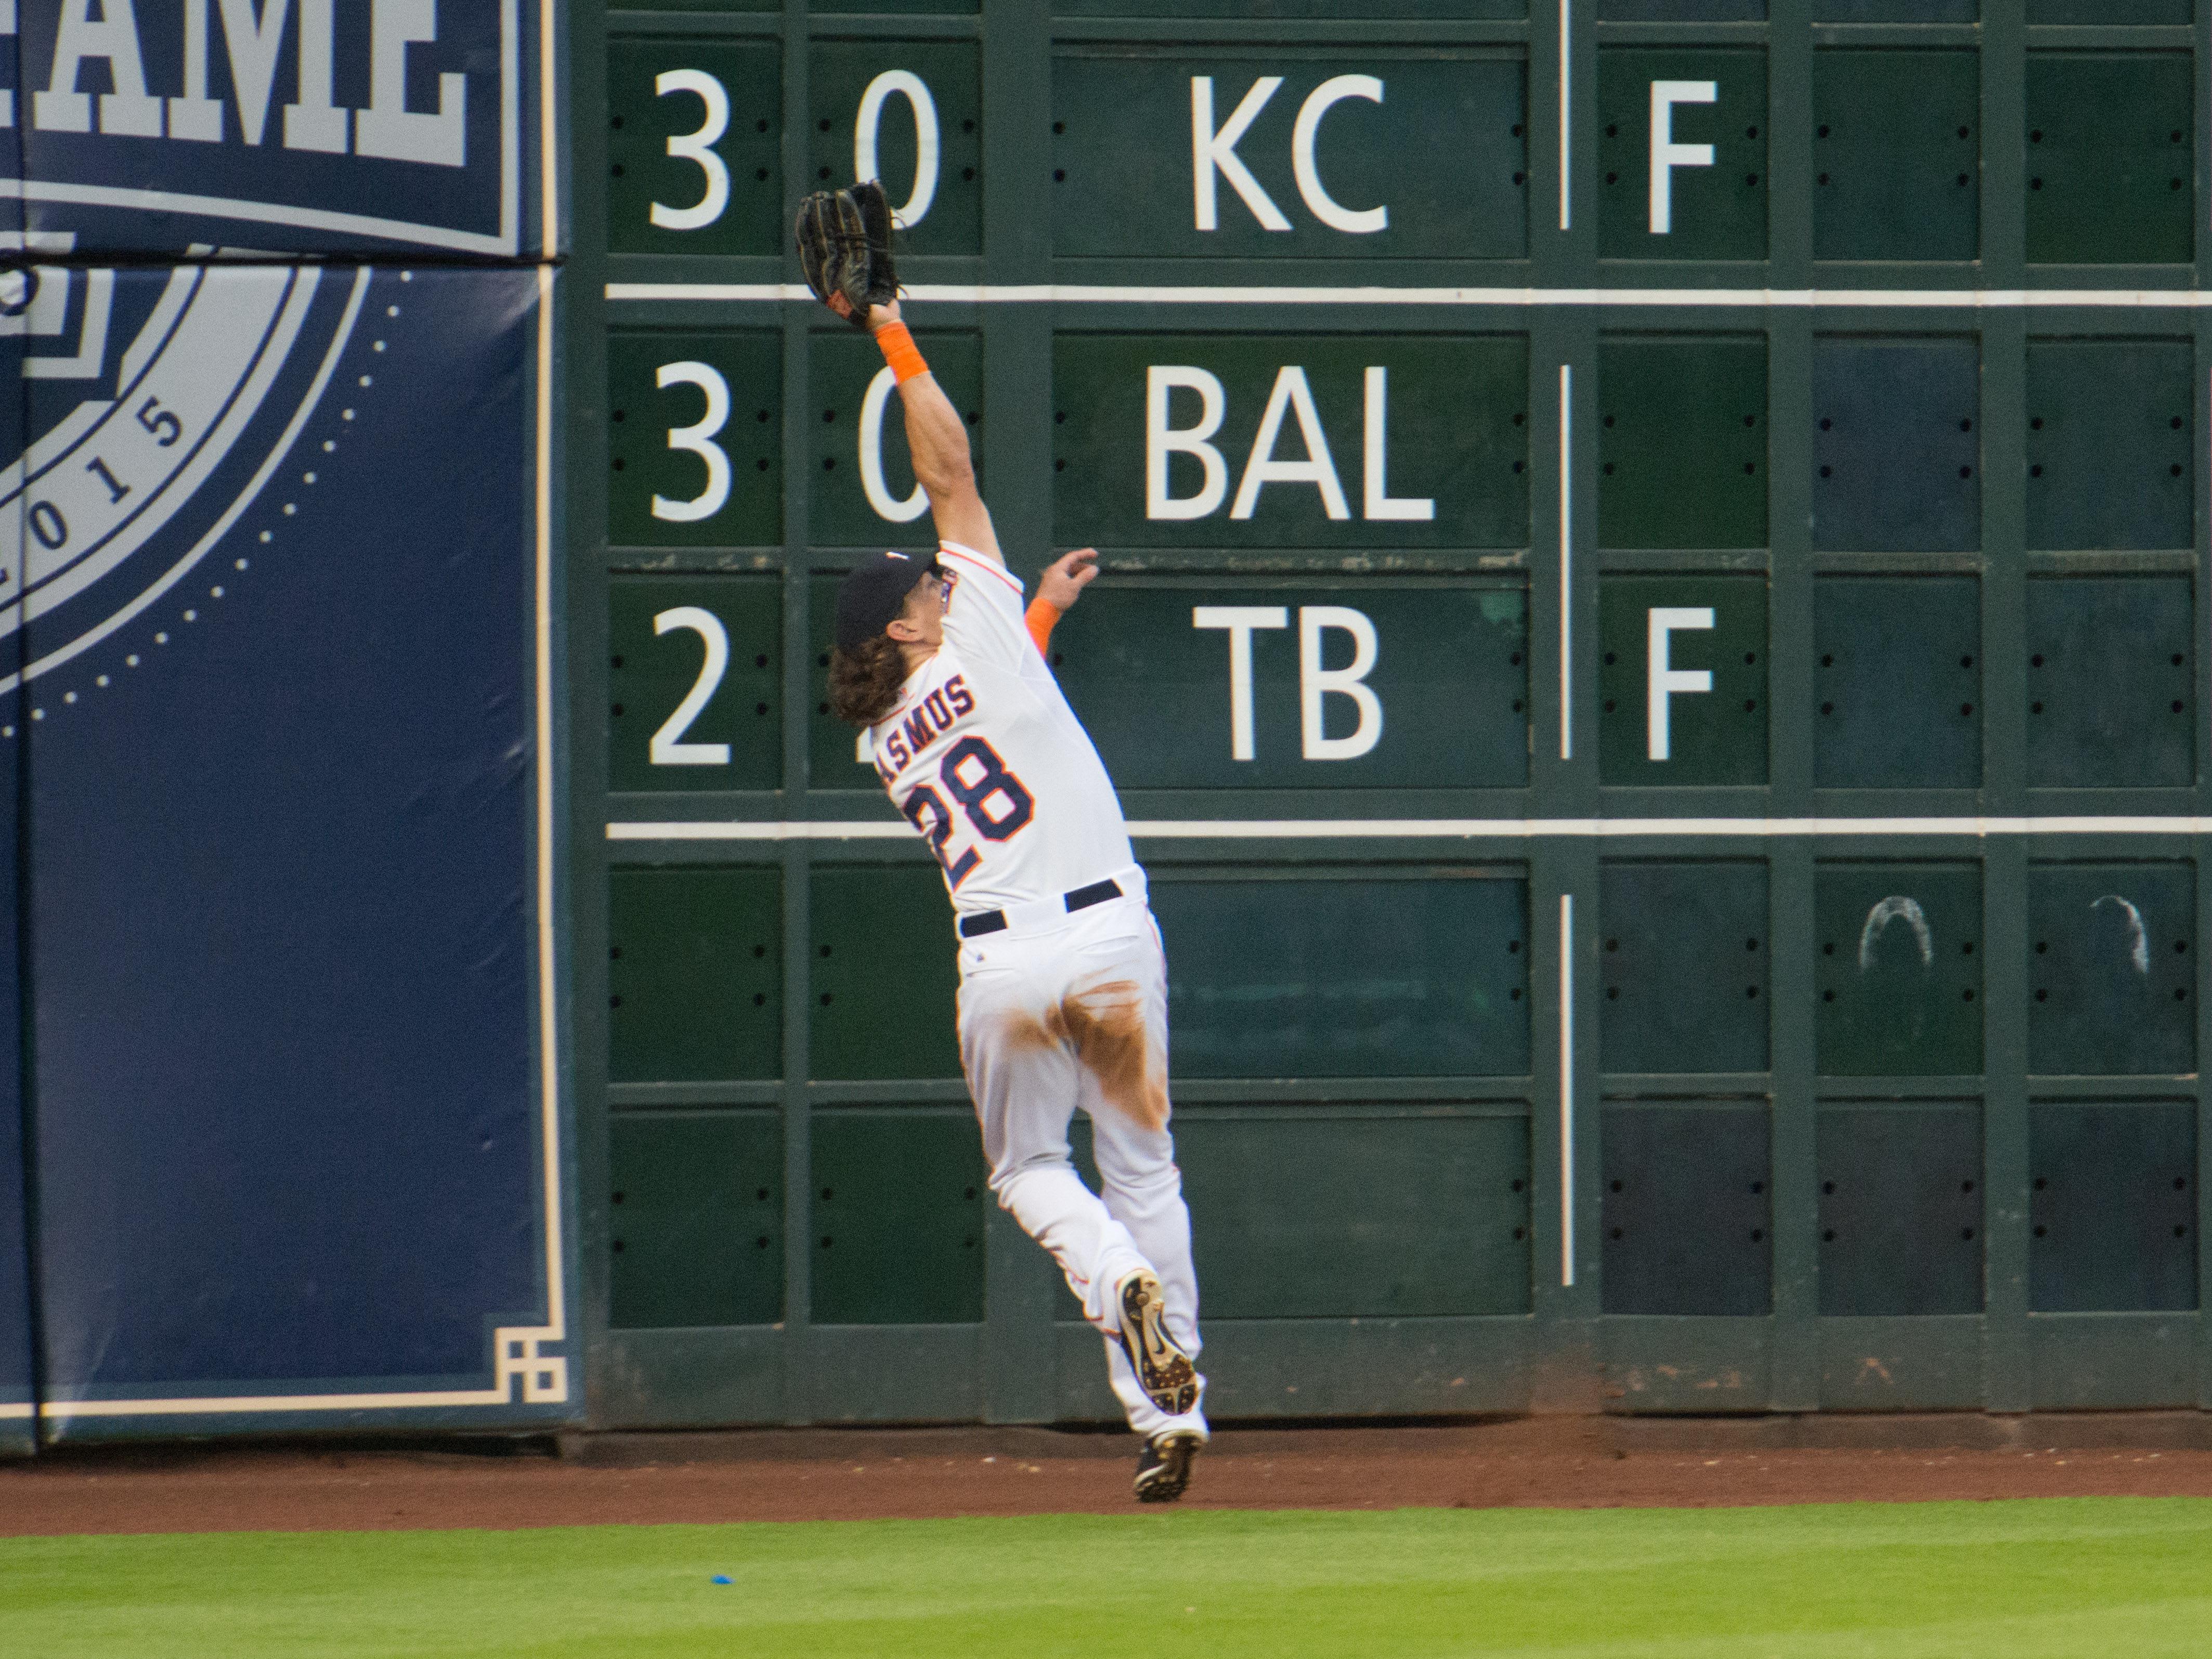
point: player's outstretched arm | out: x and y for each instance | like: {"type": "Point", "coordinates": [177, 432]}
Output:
{"type": "Point", "coordinates": [938, 439]}
{"type": "Point", "coordinates": [844, 242]}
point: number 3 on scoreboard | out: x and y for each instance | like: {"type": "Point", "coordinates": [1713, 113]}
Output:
{"type": "Point", "coordinates": [993, 799]}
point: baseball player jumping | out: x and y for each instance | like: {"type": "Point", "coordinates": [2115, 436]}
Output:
{"type": "Point", "coordinates": [1063, 986]}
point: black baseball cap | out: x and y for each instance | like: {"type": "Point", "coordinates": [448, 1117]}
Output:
{"type": "Point", "coordinates": [873, 594]}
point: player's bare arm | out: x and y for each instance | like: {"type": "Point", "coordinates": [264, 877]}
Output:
{"type": "Point", "coordinates": [936, 438]}
{"type": "Point", "coordinates": [845, 249]}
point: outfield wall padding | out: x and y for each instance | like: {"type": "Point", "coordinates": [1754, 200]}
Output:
{"type": "Point", "coordinates": [274, 727]}
{"type": "Point", "coordinates": [291, 1139]}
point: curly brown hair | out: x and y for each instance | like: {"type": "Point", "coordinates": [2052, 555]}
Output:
{"type": "Point", "coordinates": [865, 680]}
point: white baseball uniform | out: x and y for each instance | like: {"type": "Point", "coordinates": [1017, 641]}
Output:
{"type": "Point", "coordinates": [1059, 1008]}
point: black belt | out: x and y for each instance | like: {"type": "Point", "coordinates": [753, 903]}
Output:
{"type": "Point", "coordinates": [993, 921]}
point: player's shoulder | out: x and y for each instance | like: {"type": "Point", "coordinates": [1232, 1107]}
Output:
{"type": "Point", "coordinates": [962, 562]}
{"type": "Point", "coordinates": [992, 683]}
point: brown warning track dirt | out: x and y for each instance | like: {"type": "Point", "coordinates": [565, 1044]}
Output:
{"type": "Point", "coordinates": [855, 1475]}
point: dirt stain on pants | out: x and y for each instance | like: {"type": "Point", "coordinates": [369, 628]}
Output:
{"type": "Point", "coordinates": [1105, 1026]}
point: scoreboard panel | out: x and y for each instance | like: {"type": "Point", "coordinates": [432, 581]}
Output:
{"type": "Point", "coordinates": [1413, 683]}
{"type": "Point", "coordinates": [1649, 640]}
{"type": "Point", "coordinates": [1307, 152]}
{"type": "Point", "coordinates": [1151, 433]}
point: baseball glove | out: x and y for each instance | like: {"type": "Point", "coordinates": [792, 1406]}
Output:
{"type": "Point", "coordinates": [844, 250]}
{"type": "Point", "coordinates": [876, 221]}
{"type": "Point", "coordinates": [833, 252]}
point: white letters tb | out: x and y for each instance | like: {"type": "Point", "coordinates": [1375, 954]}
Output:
{"type": "Point", "coordinates": [1239, 620]}
{"type": "Point", "coordinates": [1316, 684]}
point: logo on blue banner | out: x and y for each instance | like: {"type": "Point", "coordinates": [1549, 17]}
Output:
{"type": "Point", "coordinates": [156, 407]}
{"type": "Point", "coordinates": [160, 125]}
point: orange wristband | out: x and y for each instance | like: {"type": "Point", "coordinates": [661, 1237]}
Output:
{"type": "Point", "coordinates": [1040, 618]}
{"type": "Point", "coordinates": [901, 352]}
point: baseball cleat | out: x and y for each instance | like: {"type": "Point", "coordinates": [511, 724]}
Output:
{"type": "Point", "coordinates": [1164, 1371]}
{"type": "Point", "coordinates": [1164, 1465]}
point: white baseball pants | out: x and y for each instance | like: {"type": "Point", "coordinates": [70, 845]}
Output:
{"type": "Point", "coordinates": [1073, 1012]}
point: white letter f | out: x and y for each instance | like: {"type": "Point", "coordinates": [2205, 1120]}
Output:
{"type": "Point", "coordinates": [1664, 678]}
{"type": "Point", "coordinates": [1666, 154]}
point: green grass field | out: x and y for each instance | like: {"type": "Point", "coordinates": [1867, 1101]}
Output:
{"type": "Point", "coordinates": [2061, 1579]}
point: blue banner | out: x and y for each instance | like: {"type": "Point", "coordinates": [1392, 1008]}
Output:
{"type": "Point", "coordinates": [280, 127]}
{"type": "Point", "coordinates": [281, 544]}
{"type": "Point", "coordinates": [11, 147]}
{"type": "Point", "coordinates": [16, 1371]}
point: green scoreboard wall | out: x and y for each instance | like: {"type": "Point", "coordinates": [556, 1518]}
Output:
{"type": "Point", "coordinates": [1652, 641]}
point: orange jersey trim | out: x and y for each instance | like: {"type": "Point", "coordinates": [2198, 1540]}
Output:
{"type": "Point", "coordinates": [969, 555]}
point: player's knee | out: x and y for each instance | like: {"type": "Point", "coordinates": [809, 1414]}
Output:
{"type": "Point", "coordinates": [1011, 1172]}
{"type": "Point", "coordinates": [1142, 1170]}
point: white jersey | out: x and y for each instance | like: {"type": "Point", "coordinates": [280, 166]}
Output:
{"type": "Point", "coordinates": [984, 756]}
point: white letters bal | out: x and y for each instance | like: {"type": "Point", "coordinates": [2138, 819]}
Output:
{"type": "Point", "coordinates": [1162, 439]}
{"type": "Point", "coordinates": [1291, 397]}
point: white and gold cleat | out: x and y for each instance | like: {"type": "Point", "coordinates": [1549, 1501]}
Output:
{"type": "Point", "coordinates": [1164, 1371]}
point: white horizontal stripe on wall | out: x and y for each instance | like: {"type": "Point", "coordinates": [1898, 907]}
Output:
{"type": "Point", "coordinates": [1758, 298]}
{"type": "Point", "coordinates": [1465, 828]}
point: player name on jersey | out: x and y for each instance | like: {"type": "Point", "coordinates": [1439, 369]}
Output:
{"type": "Point", "coordinates": [924, 722]}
